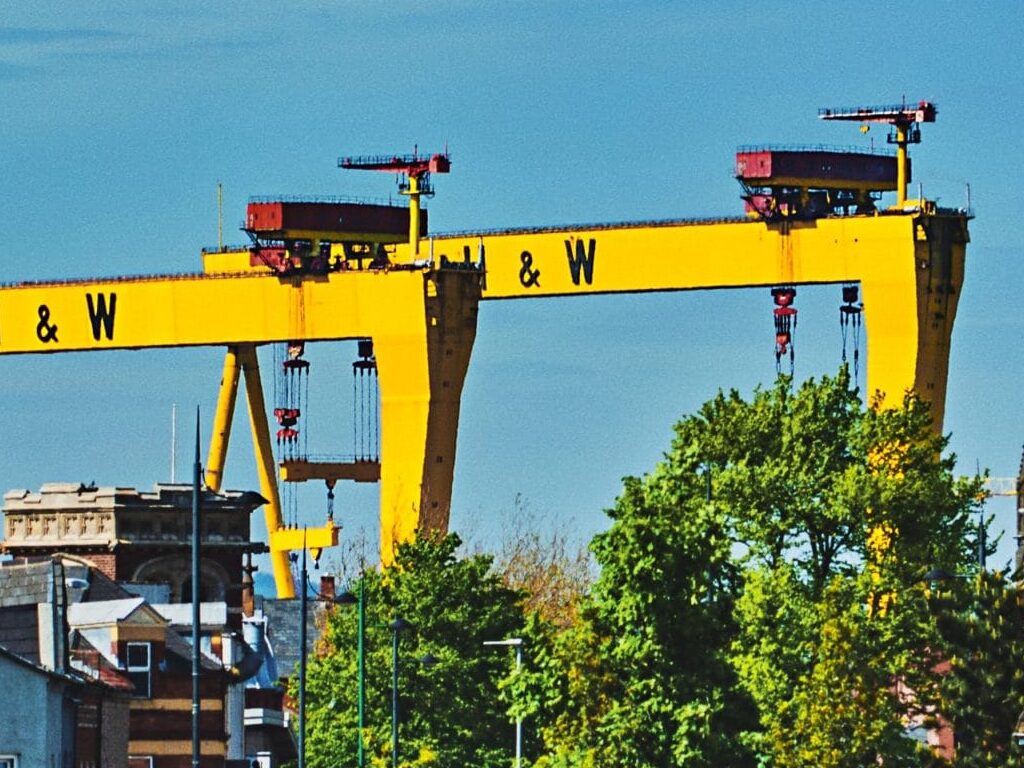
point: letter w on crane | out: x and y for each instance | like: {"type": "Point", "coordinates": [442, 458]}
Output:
{"type": "Point", "coordinates": [581, 258]}
{"type": "Point", "coordinates": [101, 314]}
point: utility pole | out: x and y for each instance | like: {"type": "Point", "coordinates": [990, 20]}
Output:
{"type": "Point", "coordinates": [196, 475]}
{"type": "Point", "coordinates": [517, 643]}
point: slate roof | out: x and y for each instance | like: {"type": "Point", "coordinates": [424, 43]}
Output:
{"type": "Point", "coordinates": [29, 583]}
{"type": "Point", "coordinates": [19, 631]}
{"type": "Point", "coordinates": [211, 615]}
{"type": "Point", "coordinates": [103, 612]}
{"type": "Point", "coordinates": [283, 631]}
{"type": "Point", "coordinates": [25, 584]}
{"type": "Point", "coordinates": [178, 655]}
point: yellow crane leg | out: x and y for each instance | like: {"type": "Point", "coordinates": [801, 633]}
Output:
{"type": "Point", "coordinates": [265, 466]}
{"type": "Point", "coordinates": [421, 368]}
{"type": "Point", "coordinates": [226, 396]}
{"type": "Point", "coordinates": [909, 340]}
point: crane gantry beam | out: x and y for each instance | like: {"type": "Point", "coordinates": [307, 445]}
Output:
{"type": "Point", "coordinates": [909, 266]}
{"type": "Point", "coordinates": [421, 316]}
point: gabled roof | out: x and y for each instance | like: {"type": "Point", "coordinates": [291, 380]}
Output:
{"type": "Point", "coordinates": [108, 612]}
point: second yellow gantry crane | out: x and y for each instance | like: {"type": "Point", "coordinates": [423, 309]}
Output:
{"type": "Point", "coordinates": [331, 270]}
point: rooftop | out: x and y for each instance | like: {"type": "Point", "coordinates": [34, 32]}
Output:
{"type": "Point", "coordinates": [60, 497]}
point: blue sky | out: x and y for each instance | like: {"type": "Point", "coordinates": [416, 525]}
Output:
{"type": "Point", "coordinates": [120, 118]}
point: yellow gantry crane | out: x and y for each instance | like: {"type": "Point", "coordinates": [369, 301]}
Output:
{"type": "Point", "coordinates": [334, 270]}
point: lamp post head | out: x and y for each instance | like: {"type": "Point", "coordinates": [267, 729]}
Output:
{"type": "Point", "coordinates": [400, 625]}
{"type": "Point", "coordinates": [939, 574]}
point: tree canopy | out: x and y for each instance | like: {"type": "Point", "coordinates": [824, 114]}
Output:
{"type": "Point", "coordinates": [758, 599]}
{"type": "Point", "coordinates": [758, 602]}
{"type": "Point", "coordinates": [450, 713]}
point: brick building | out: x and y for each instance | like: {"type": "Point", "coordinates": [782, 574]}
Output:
{"type": "Point", "coordinates": [137, 537]}
{"type": "Point", "coordinates": [70, 713]}
{"type": "Point", "coordinates": [112, 566]}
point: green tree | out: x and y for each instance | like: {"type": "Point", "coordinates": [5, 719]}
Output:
{"type": "Point", "coordinates": [643, 678]}
{"type": "Point", "coordinates": [553, 573]}
{"type": "Point", "coordinates": [755, 603]}
{"type": "Point", "coordinates": [981, 625]}
{"type": "Point", "coordinates": [838, 510]}
{"type": "Point", "coordinates": [869, 687]}
{"type": "Point", "coordinates": [450, 712]}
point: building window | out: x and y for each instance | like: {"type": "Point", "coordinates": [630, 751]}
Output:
{"type": "Point", "coordinates": [139, 667]}
{"type": "Point", "coordinates": [139, 762]}
{"type": "Point", "coordinates": [8, 761]}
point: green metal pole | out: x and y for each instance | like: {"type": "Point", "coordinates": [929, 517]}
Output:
{"type": "Point", "coordinates": [196, 597]}
{"type": "Point", "coordinates": [361, 660]}
{"type": "Point", "coordinates": [394, 694]}
{"type": "Point", "coordinates": [302, 658]}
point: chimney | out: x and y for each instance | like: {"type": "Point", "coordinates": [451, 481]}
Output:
{"type": "Point", "coordinates": [52, 622]}
{"type": "Point", "coordinates": [248, 587]}
{"type": "Point", "coordinates": [327, 589]}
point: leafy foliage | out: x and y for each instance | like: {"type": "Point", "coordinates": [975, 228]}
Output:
{"type": "Point", "coordinates": [755, 603]}
{"type": "Point", "coordinates": [548, 570]}
{"type": "Point", "coordinates": [758, 604]}
{"type": "Point", "coordinates": [449, 713]}
{"type": "Point", "coordinates": [982, 628]}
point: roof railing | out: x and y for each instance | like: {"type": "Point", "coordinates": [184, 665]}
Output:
{"type": "Point", "coordinates": [844, 150]}
{"type": "Point", "coordinates": [895, 109]}
{"type": "Point", "coordinates": [335, 199]}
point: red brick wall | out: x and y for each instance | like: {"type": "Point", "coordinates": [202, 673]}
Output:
{"type": "Point", "coordinates": [105, 562]}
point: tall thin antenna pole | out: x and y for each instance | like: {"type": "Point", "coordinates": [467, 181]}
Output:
{"type": "Point", "coordinates": [174, 440]}
{"type": "Point", "coordinates": [196, 475]}
{"type": "Point", "coordinates": [220, 216]}
{"type": "Point", "coordinates": [302, 657]}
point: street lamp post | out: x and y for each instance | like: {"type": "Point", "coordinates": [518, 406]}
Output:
{"type": "Point", "coordinates": [303, 645]}
{"type": "Point", "coordinates": [517, 643]}
{"type": "Point", "coordinates": [302, 659]}
{"type": "Point", "coordinates": [361, 663]}
{"type": "Point", "coordinates": [359, 599]}
{"type": "Point", "coordinates": [397, 626]}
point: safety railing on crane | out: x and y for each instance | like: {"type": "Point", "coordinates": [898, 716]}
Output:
{"type": "Point", "coordinates": [840, 149]}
